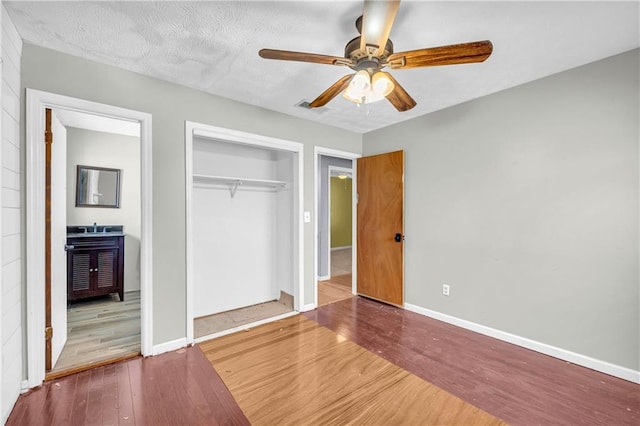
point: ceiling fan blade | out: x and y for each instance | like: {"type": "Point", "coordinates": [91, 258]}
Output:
{"type": "Point", "coordinates": [465, 53]}
{"type": "Point", "coordinates": [399, 97]}
{"type": "Point", "coordinates": [377, 20]}
{"type": "Point", "coordinates": [285, 55]}
{"type": "Point", "coordinates": [331, 92]}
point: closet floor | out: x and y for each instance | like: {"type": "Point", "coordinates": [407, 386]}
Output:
{"type": "Point", "coordinates": [204, 326]}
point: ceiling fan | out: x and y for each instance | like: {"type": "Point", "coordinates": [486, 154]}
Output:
{"type": "Point", "coordinates": [372, 51]}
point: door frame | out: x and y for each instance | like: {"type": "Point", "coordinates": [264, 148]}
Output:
{"type": "Point", "coordinates": [193, 129]}
{"type": "Point", "coordinates": [319, 151]}
{"type": "Point", "coordinates": [344, 170]}
{"type": "Point", "coordinates": [36, 103]}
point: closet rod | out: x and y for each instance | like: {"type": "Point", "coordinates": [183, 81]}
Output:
{"type": "Point", "coordinates": [235, 182]}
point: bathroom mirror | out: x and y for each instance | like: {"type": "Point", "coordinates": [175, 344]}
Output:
{"type": "Point", "coordinates": [97, 187]}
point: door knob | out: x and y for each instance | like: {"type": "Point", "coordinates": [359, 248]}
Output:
{"type": "Point", "coordinates": [398, 238]}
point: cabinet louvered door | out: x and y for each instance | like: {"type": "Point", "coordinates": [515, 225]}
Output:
{"type": "Point", "coordinates": [80, 271]}
{"type": "Point", "coordinates": [106, 268]}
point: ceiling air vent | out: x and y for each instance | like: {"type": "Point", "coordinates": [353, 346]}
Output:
{"type": "Point", "coordinates": [304, 104]}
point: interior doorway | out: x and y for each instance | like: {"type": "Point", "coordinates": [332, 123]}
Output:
{"type": "Point", "coordinates": [37, 104]}
{"type": "Point", "coordinates": [335, 200]}
{"type": "Point", "coordinates": [93, 295]}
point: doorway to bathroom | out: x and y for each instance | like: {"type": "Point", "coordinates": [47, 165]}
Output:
{"type": "Point", "coordinates": [46, 225]}
{"type": "Point", "coordinates": [94, 204]}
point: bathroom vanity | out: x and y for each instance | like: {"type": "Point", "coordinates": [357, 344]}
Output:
{"type": "Point", "coordinates": [95, 261]}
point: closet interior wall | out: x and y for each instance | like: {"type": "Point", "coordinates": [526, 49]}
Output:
{"type": "Point", "coordinates": [242, 225]}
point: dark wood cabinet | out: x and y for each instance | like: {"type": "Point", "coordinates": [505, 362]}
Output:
{"type": "Point", "coordinates": [95, 266]}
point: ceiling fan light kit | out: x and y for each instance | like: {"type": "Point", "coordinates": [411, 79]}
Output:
{"type": "Point", "coordinates": [367, 88]}
{"type": "Point", "coordinates": [372, 51]}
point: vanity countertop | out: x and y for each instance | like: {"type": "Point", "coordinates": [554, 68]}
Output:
{"type": "Point", "coordinates": [87, 231]}
{"type": "Point", "coordinates": [95, 234]}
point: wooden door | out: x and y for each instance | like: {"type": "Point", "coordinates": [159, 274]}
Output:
{"type": "Point", "coordinates": [380, 185]}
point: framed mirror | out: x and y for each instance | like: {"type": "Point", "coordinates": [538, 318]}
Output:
{"type": "Point", "coordinates": [97, 187]}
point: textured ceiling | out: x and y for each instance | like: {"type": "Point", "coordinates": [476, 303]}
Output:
{"type": "Point", "coordinates": [213, 46]}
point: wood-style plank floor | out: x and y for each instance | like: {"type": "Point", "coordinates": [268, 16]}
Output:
{"type": "Point", "coordinates": [100, 329]}
{"type": "Point", "coordinates": [295, 372]}
{"type": "Point", "coordinates": [335, 289]}
{"type": "Point", "coordinates": [177, 388]}
{"type": "Point", "coordinates": [520, 386]}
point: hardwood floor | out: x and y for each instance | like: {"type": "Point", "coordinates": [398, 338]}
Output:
{"type": "Point", "coordinates": [515, 384]}
{"type": "Point", "coordinates": [100, 329]}
{"type": "Point", "coordinates": [338, 287]}
{"type": "Point", "coordinates": [294, 372]}
{"type": "Point", "coordinates": [372, 364]}
{"type": "Point", "coordinates": [176, 388]}
{"type": "Point", "coordinates": [335, 289]}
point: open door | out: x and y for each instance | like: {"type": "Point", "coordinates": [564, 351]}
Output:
{"type": "Point", "coordinates": [381, 227]}
{"type": "Point", "coordinates": [55, 239]}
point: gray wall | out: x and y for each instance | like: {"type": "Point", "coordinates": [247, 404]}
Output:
{"type": "Point", "coordinates": [171, 105]}
{"type": "Point", "coordinates": [526, 203]}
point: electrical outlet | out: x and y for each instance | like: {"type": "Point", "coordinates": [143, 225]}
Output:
{"type": "Point", "coordinates": [445, 289]}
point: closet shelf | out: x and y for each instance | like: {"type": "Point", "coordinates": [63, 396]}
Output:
{"type": "Point", "coordinates": [235, 182]}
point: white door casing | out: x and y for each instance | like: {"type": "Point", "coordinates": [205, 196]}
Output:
{"type": "Point", "coordinates": [36, 103]}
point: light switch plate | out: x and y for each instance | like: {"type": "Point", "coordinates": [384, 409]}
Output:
{"type": "Point", "coordinates": [307, 217]}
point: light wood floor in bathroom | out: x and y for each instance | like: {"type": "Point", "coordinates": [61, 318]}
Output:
{"type": "Point", "coordinates": [99, 330]}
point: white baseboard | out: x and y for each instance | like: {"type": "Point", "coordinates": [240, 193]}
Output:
{"type": "Point", "coordinates": [340, 248]}
{"type": "Point", "coordinates": [244, 327]}
{"type": "Point", "coordinates": [308, 307]}
{"type": "Point", "coordinates": [563, 354]}
{"type": "Point", "coordinates": [324, 277]}
{"type": "Point", "coordinates": [24, 386]}
{"type": "Point", "coordinates": [169, 346]}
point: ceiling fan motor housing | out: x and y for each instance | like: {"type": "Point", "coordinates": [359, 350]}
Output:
{"type": "Point", "coordinates": [364, 61]}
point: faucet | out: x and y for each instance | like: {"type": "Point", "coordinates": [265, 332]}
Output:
{"type": "Point", "coordinates": [95, 228]}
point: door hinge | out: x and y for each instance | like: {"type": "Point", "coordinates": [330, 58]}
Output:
{"type": "Point", "coordinates": [48, 333]}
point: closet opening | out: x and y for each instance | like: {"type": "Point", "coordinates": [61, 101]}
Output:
{"type": "Point", "coordinates": [243, 211]}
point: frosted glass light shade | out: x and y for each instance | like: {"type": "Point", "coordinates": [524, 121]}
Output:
{"type": "Point", "coordinates": [381, 84]}
{"type": "Point", "coordinates": [359, 87]}
{"type": "Point", "coordinates": [364, 88]}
